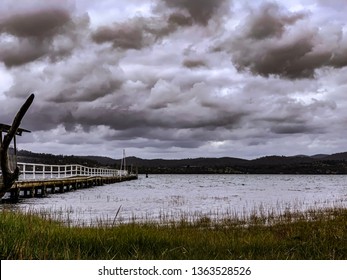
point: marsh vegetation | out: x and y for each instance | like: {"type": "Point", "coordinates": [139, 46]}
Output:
{"type": "Point", "coordinates": [314, 234]}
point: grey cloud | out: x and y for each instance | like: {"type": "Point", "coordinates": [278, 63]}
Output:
{"type": "Point", "coordinates": [22, 51]}
{"type": "Point", "coordinates": [269, 21]}
{"type": "Point", "coordinates": [73, 80]}
{"type": "Point", "coordinates": [289, 116]}
{"type": "Point", "coordinates": [161, 138]}
{"type": "Point", "coordinates": [192, 109]}
{"type": "Point", "coordinates": [180, 19]}
{"type": "Point", "coordinates": [292, 129]}
{"type": "Point", "coordinates": [125, 36]}
{"type": "Point", "coordinates": [96, 84]}
{"type": "Point", "coordinates": [30, 36]}
{"type": "Point", "coordinates": [138, 33]}
{"type": "Point", "coordinates": [39, 24]}
{"type": "Point", "coordinates": [185, 112]}
{"type": "Point", "coordinates": [194, 63]}
{"type": "Point", "coordinates": [276, 42]}
{"type": "Point", "coordinates": [201, 11]}
{"type": "Point", "coordinates": [289, 60]}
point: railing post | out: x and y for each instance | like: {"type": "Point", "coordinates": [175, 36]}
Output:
{"type": "Point", "coordinates": [24, 171]}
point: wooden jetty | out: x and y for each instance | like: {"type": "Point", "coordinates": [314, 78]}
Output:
{"type": "Point", "coordinates": [39, 180]}
{"type": "Point", "coordinates": [19, 179]}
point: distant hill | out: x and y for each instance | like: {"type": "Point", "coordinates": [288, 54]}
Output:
{"type": "Point", "coordinates": [319, 156]}
{"type": "Point", "coordinates": [104, 161]}
{"type": "Point", "coordinates": [300, 164]}
{"type": "Point", "coordinates": [338, 156]}
{"type": "Point", "coordinates": [198, 162]}
{"type": "Point", "coordinates": [278, 160]}
{"type": "Point", "coordinates": [27, 156]}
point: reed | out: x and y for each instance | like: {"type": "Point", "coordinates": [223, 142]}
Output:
{"type": "Point", "coordinates": [313, 234]}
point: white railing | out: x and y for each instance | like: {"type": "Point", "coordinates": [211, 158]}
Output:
{"type": "Point", "coordinates": [36, 171]}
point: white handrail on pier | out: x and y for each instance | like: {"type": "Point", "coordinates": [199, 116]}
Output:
{"type": "Point", "coordinates": [36, 171]}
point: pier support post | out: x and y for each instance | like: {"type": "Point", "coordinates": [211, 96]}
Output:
{"type": "Point", "coordinates": [14, 194]}
{"type": "Point", "coordinates": [40, 191]}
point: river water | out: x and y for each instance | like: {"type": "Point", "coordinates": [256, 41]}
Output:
{"type": "Point", "coordinates": [173, 197]}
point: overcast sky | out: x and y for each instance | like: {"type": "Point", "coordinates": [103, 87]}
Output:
{"type": "Point", "coordinates": [176, 78]}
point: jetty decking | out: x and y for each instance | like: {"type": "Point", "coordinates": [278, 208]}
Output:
{"type": "Point", "coordinates": [38, 180]}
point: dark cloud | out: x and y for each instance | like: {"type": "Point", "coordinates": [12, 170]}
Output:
{"type": "Point", "coordinates": [288, 60]}
{"type": "Point", "coordinates": [201, 11]}
{"type": "Point", "coordinates": [128, 35]}
{"type": "Point", "coordinates": [136, 33]}
{"type": "Point", "coordinates": [30, 36]}
{"type": "Point", "coordinates": [269, 21]}
{"type": "Point", "coordinates": [180, 19]}
{"type": "Point", "coordinates": [194, 63]}
{"type": "Point", "coordinates": [292, 129]}
{"type": "Point", "coordinates": [139, 32]}
{"type": "Point", "coordinates": [39, 24]}
{"type": "Point", "coordinates": [273, 41]}
{"type": "Point", "coordinates": [22, 51]}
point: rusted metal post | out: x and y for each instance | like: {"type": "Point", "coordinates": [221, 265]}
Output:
{"type": "Point", "coordinates": [10, 176]}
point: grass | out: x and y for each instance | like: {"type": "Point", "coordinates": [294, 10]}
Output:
{"type": "Point", "coordinates": [314, 234]}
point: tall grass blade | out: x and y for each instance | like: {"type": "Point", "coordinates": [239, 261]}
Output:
{"type": "Point", "coordinates": [115, 217]}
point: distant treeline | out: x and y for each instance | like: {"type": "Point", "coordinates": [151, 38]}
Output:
{"type": "Point", "coordinates": [26, 156]}
{"type": "Point", "coordinates": [319, 167]}
{"type": "Point", "coordinates": [317, 164]}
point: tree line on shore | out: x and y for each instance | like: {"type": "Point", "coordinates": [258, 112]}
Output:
{"type": "Point", "coordinates": [318, 164]}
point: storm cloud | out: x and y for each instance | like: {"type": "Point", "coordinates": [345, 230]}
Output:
{"type": "Point", "coordinates": [200, 11]}
{"type": "Point", "coordinates": [124, 36]}
{"type": "Point", "coordinates": [274, 41]}
{"type": "Point", "coordinates": [36, 24]}
{"type": "Point", "coordinates": [32, 35]}
{"type": "Point", "coordinates": [176, 79]}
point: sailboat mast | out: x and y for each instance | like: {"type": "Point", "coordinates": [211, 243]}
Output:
{"type": "Point", "coordinates": [124, 163]}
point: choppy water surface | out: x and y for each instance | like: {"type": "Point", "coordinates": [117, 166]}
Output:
{"type": "Point", "coordinates": [167, 197]}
